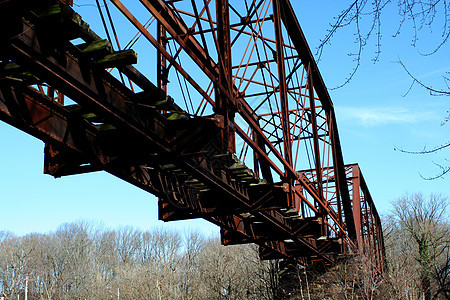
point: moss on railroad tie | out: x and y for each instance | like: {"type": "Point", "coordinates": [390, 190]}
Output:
{"type": "Point", "coordinates": [119, 58]}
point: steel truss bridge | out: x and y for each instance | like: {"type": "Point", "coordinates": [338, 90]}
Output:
{"type": "Point", "coordinates": [235, 125]}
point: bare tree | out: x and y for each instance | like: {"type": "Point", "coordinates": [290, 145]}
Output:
{"type": "Point", "coordinates": [84, 261]}
{"type": "Point", "coordinates": [365, 20]}
{"type": "Point", "coordinates": [422, 240]}
{"type": "Point", "coordinates": [190, 275]}
{"type": "Point", "coordinates": [442, 275]}
{"type": "Point", "coordinates": [371, 21]}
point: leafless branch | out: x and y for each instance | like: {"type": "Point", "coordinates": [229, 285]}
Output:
{"type": "Point", "coordinates": [444, 170]}
{"type": "Point", "coordinates": [433, 91]}
{"type": "Point", "coordinates": [424, 150]}
{"type": "Point", "coordinates": [419, 14]}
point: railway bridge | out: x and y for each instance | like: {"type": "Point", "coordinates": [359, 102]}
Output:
{"type": "Point", "coordinates": [228, 120]}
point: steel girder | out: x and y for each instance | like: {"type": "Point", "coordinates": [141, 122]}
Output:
{"type": "Point", "coordinates": [263, 112]}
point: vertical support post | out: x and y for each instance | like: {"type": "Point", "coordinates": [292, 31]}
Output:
{"type": "Point", "coordinates": [283, 94]}
{"type": "Point", "coordinates": [51, 92]}
{"type": "Point", "coordinates": [261, 163]}
{"type": "Point", "coordinates": [382, 254]}
{"type": "Point", "coordinates": [282, 83]}
{"type": "Point", "coordinates": [366, 217]}
{"type": "Point", "coordinates": [374, 237]}
{"type": "Point", "coordinates": [367, 237]}
{"type": "Point", "coordinates": [161, 63]}
{"type": "Point", "coordinates": [341, 178]}
{"type": "Point", "coordinates": [60, 98]}
{"type": "Point", "coordinates": [373, 240]}
{"type": "Point", "coordinates": [255, 154]}
{"type": "Point", "coordinates": [338, 191]}
{"type": "Point", "coordinates": [223, 105]}
{"type": "Point", "coordinates": [318, 164]}
{"type": "Point", "coordinates": [356, 199]}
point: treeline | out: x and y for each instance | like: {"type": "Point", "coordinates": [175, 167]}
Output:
{"type": "Point", "coordinates": [83, 260]}
{"type": "Point", "coordinates": [417, 240]}
{"type": "Point", "coordinates": [417, 245]}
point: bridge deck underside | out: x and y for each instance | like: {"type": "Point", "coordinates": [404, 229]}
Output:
{"type": "Point", "coordinates": [144, 137]}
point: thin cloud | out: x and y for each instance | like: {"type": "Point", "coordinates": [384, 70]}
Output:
{"type": "Point", "coordinates": [440, 71]}
{"type": "Point", "coordinates": [380, 116]}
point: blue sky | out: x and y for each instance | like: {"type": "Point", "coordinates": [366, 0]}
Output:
{"type": "Point", "coordinates": [373, 117]}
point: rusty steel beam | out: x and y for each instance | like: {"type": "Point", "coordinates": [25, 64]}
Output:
{"type": "Point", "coordinates": [81, 81]}
{"type": "Point", "coordinates": [299, 41]}
{"type": "Point", "coordinates": [224, 107]}
{"type": "Point", "coordinates": [70, 81]}
{"type": "Point", "coordinates": [283, 92]}
{"type": "Point", "coordinates": [37, 115]}
{"type": "Point", "coordinates": [61, 128]}
{"type": "Point", "coordinates": [366, 216]}
{"type": "Point", "coordinates": [188, 161]}
{"type": "Point", "coordinates": [178, 30]}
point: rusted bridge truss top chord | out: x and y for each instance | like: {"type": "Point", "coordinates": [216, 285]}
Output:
{"type": "Point", "coordinates": [237, 127]}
